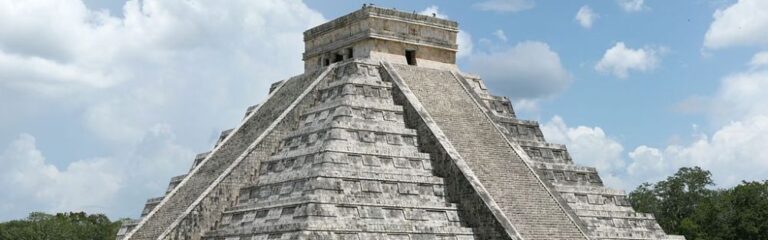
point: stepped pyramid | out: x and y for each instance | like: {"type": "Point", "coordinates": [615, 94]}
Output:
{"type": "Point", "coordinates": [383, 137]}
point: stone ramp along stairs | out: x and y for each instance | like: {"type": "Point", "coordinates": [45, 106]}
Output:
{"type": "Point", "coordinates": [520, 197]}
{"type": "Point", "coordinates": [201, 197]}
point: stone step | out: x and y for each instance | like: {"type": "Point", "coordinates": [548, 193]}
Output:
{"type": "Point", "coordinates": [368, 163]}
{"type": "Point", "coordinates": [353, 103]}
{"type": "Point", "coordinates": [350, 83]}
{"type": "Point", "coordinates": [354, 91]}
{"type": "Point", "coordinates": [379, 146]}
{"type": "Point", "coordinates": [358, 125]}
{"type": "Point", "coordinates": [340, 230]}
{"type": "Point", "coordinates": [348, 174]}
{"type": "Point", "coordinates": [365, 199]}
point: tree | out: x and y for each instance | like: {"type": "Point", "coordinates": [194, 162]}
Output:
{"type": "Point", "coordinates": [680, 195]}
{"type": "Point", "coordinates": [749, 202]}
{"type": "Point", "coordinates": [683, 204]}
{"type": "Point", "coordinates": [62, 226]}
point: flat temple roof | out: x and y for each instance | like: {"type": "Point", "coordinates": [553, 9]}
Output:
{"type": "Point", "coordinates": [369, 11]}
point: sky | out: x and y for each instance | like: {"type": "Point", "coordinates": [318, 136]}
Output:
{"type": "Point", "coordinates": [102, 102]}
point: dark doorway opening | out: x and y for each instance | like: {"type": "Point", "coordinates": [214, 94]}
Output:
{"type": "Point", "coordinates": [338, 57]}
{"type": "Point", "coordinates": [410, 57]}
{"type": "Point", "coordinates": [350, 54]}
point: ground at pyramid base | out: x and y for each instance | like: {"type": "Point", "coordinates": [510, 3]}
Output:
{"type": "Point", "coordinates": [383, 137]}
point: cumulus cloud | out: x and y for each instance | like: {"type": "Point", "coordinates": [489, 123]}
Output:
{"type": "Point", "coordinates": [500, 35]}
{"type": "Point", "coordinates": [464, 40]}
{"type": "Point", "coordinates": [619, 60]}
{"type": "Point", "coordinates": [738, 147]}
{"type": "Point", "coordinates": [30, 182]}
{"type": "Point", "coordinates": [504, 5]}
{"type": "Point", "coordinates": [136, 80]}
{"type": "Point", "coordinates": [433, 10]}
{"type": "Point", "coordinates": [735, 150]}
{"type": "Point", "coordinates": [631, 5]}
{"type": "Point", "coordinates": [742, 24]}
{"type": "Point", "coordinates": [115, 185]}
{"type": "Point", "coordinates": [586, 16]}
{"type": "Point", "coordinates": [741, 95]}
{"type": "Point", "coordinates": [589, 146]}
{"type": "Point", "coordinates": [759, 60]}
{"type": "Point", "coordinates": [529, 70]}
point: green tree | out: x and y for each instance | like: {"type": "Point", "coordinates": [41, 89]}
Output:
{"type": "Point", "coordinates": [749, 202]}
{"type": "Point", "coordinates": [680, 195]}
{"type": "Point", "coordinates": [674, 199]}
{"type": "Point", "coordinates": [643, 199]}
{"type": "Point", "coordinates": [683, 204]}
{"type": "Point", "coordinates": [62, 226]}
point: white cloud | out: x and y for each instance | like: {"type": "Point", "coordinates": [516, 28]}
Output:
{"type": "Point", "coordinates": [735, 152]}
{"type": "Point", "coordinates": [649, 163]}
{"type": "Point", "coordinates": [586, 16]}
{"type": "Point", "coordinates": [526, 105]}
{"type": "Point", "coordinates": [759, 60]}
{"type": "Point", "coordinates": [500, 35]}
{"type": "Point", "coordinates": [504, 5]}
{"type": "Point", "coordinates": [47, 77]}
{"type": "Point", "coordinates": [619, 60]}
{"type": "Point", "coordinates": [529, 70]}
{"type": "Point", "coordinates": [433, 10]}
{"type": "Point", "coordinates": [741, 95]}
{"type": "Point", "coordinates": [631, 5]}
{"type": "Point", "coordinates": [464, 40]}
{"type": "Point", "coordinates": [27, 181]}
{"type": "Point", "coordinates": [738, 147]}
{"type": "Point", "coordinates": [116, 185]}
{"type": "Point", "coordinates": [129, 79]}
{"type": "Point", "coordinates": [742, 24]}
{"type": "Point", "coordinates": [589, 146]}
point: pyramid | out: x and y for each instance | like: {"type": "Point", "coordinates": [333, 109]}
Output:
{"type": "Point", "coordinates": [383, 137]}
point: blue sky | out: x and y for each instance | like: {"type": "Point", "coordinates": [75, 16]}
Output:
{"type": "Point", "coordinates": [104, 101]}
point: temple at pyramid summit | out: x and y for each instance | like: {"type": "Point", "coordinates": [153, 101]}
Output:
{"type": "Point", "coordinates": [383, 137]}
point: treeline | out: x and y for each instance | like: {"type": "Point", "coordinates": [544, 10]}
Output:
{"type": "Point", "coordinates": [685, 204]}
{"type": "Point", "coordinates": [62, 226]}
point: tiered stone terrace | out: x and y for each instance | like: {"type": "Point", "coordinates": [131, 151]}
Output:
{"type": "Point", "coordinates": [361, 148]}
{"type": "Point", "coordinates": [350, 170]}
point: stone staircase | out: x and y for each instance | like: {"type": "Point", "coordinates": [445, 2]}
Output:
{"type": "Point", "coordinates": [606, 212]}
{"type": "Point", "coordinates": [522, 197]}
{"type": "Point", "coordinates": [350, 170]}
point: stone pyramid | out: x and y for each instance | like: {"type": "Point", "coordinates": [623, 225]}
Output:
{"type": "Point", "coordinates": [383, 137]}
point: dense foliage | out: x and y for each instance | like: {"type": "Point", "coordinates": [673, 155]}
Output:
{"type": "Point", "coordinates": [684, 205]}
{"type": "Point", "coordinates": [62, 226]}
